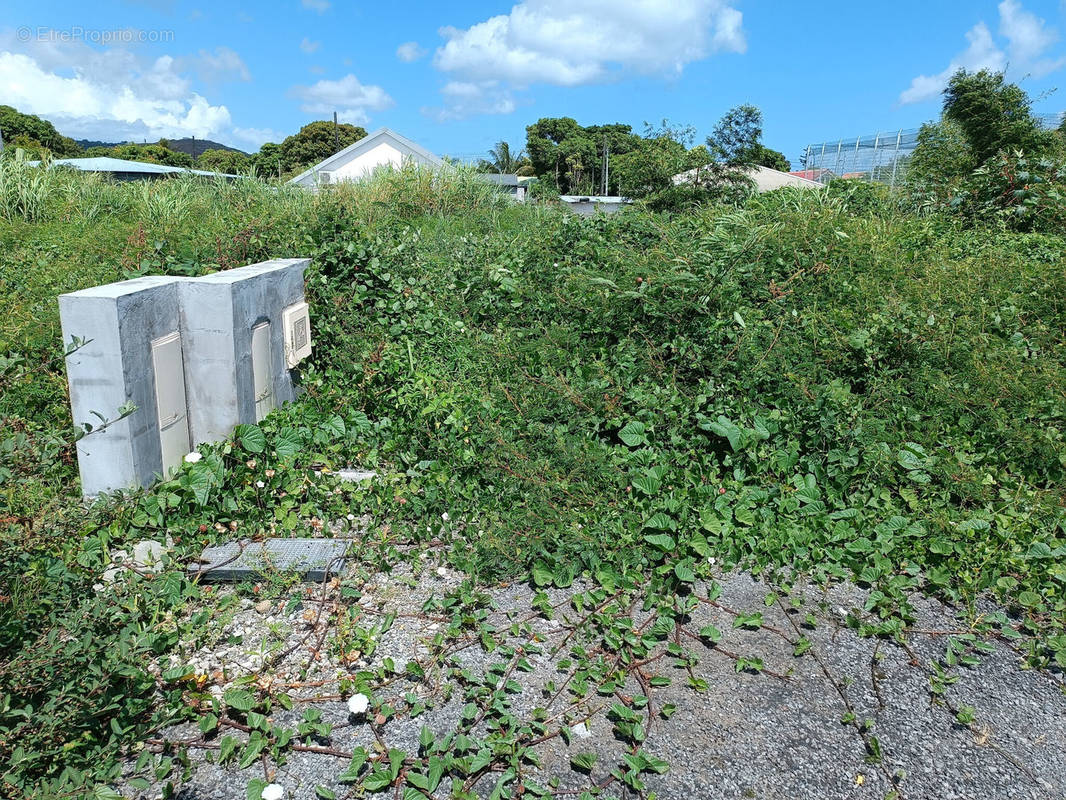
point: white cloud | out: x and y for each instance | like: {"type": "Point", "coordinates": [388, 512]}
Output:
{"type": "Point", "coordinates": [307, 46]}
{"type": "Point", "coordinates": [1027, 39]}
{"type": "Point", "coordinates": [321, 6]}
{"type": "Point", "coordinates": [255, 137]}
{"type": "Point", "coordinates": [222, 65]}
{"type": "Point", "coordinates": [579, 42]}
{"type": "Point", "coordinates": [409, 51]}
{"type": "Point", "coordinates": [130, 103]}
{"type": "Point", "coordinates": [466, 98]}
{"type": "Point", "coordinates": [347, 96]}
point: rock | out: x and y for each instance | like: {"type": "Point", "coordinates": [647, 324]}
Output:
{"type": "Point", "coordinates": [148, 554]}
{"type": "Point", "coordinates": [355, 475]}
{"type": "Point", "coordinates": [264, 606]}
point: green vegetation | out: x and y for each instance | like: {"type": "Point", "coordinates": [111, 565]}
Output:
{"type": "Point", "coordinates": [572, 158]}
{"type": "Point", "coordinates": [987, 159]}
{"type": "Point", "coordinates": [33, 134]}
{"type": "Point", "coordinates": [842, 385]}
{"type": "Point", "coordinates": [158, 153]}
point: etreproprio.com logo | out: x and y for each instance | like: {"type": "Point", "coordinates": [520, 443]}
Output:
{"type": "Point", "coordinates": [77, 33]}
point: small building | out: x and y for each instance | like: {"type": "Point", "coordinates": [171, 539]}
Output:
{"type": "Point", "coordinates": [124, 170]}
{"type": "Point", "coordinates": [382, 148]}
{"type": "Point", "coordinates": [589, 205]}
{"type": "Point", "coordinates": [817, 174]}
{"type": "Point", "coordinates": [508, 184]}
{"type": "Point", "coordinates": [765, 179]}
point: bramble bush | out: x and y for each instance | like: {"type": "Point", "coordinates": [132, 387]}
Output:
{"type": "Point", "coordinates": [809, 383]}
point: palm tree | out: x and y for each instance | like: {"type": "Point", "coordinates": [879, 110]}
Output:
{"type": "Point", "coordinates": [501, 160]}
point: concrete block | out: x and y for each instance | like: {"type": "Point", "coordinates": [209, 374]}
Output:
{"type": "Point", "coordinates": [196, 356]}
{"type": "Point", "coordinates": [219, 313]}
{"type": "Point", "coordinates": [120, 322]}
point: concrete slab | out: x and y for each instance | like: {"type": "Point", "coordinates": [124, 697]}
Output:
{"type": "Point", "coordinates": [313, 559]}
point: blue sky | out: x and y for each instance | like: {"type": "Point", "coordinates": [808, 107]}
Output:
{"type": "Point", "coordinates": [459, 76]}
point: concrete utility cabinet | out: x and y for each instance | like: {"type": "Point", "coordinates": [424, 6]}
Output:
{"type": "Point", "coordinates": [196, 356]}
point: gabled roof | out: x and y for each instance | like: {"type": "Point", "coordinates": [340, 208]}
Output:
{"type": "Point", "coordinates": [366, 144]}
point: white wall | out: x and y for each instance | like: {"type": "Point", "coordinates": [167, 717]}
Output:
{"type": "Point", "coordinates": [363, 165]}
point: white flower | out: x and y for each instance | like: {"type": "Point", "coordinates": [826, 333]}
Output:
{"type": "Point", "coordinates": [445, 516]}
{"type": "Point", "coordinates": [273, 791]}
{"type": "Point", "coordinates": [358, 703]}
{"type": "Point", "coordinates": [581, 730]}
{"type": "Point", "coordinates": [193, 457]}
{"type": "Point", "coordinates": [260, 484]}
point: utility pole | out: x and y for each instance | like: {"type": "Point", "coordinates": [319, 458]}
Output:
{"type": "Point", "coordinates": [606, 164]}
{"type": "Point", "coordinates": [336, 135]}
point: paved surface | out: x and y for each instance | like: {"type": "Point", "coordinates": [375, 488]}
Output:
{"type": "Point", "coordinates": [778, 733]}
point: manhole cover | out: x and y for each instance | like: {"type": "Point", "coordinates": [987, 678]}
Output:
{"type": "Point", "coordinates": [313, 559]}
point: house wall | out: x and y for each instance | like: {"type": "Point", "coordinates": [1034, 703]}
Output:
{"type": "Point", "coordinates": [364, 165]}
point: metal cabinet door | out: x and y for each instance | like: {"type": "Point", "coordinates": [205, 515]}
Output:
{"type": "Point", "coordinates": [262, 373]}
{"type": "Point", "coordinates": [170, 400]}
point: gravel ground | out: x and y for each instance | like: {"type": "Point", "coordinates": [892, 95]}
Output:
{"type": "Point", "coordinates": [774, 733]}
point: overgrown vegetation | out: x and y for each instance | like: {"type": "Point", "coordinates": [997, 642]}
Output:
{"type": "Point", "coordinates": [827, 384]}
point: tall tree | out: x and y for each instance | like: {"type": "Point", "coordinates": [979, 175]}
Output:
{"type": "Point", "coordinates": [317, 141]}
{"type": "Point", "coordinates": [994, 115]}
{"type": "Point", "coordinates": [502, 160]}
{"type": "Point", "coordinates": [735, 139]}
{"type": "Point", "coordinates": [267, 161]}
{"type": "Point", "coordinates": [230, 162]}
{"type": "Point", "coordinates": [158, 153]}
{"type": "Point", "coordinates": [36, 132]}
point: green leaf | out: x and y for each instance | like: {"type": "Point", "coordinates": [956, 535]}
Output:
{"type": "Point", "coordinates": [633, 434]}
{"type": "Point", "coordinates": [287, 444]}
{"type": "Point", "coordinates": [584, 762]}
{"type": "Point", "coordinates": [251, 438]}
{"type": "Point", "coordinates": [325, 794]}
{"type": "Point", "coordinates": [542, 574]}
{"type": "Point", "coordinates": [254, 789]}
{"type": "Point", "coordinates": [660, 521]}
{"type": "Point", "coordinates": [351, 774]}
{"type": "Point", "coordinates": [377, 780]}
{"type": "Point", "coordinates": [239, 699]}
{"type": "Point", "coordinates": [207, 723]}
{"type": "Point", "coordinates": [226, 748]}
{"type": "Point", "coordinates": [724, 427]}
{"type": "Point", "coordinates": [684, 573]}
{"type": "Point", "coordinates": [334, 426]}
{"type": "Point", "coordinates": [710, 633]}
{"type": "Point", "coordinates": [663, 541]}
{"type": "Point", "coordinates": [647, 484]}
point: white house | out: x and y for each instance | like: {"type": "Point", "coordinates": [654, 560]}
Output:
{"type": "Point", "coordinates": [382, 148]}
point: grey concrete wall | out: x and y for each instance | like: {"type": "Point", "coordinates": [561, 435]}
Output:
{"type": "Point", "coordinates": [218, 313]}
{"type": "Point", "coordinates": [115, 367]}
{"type": "Point", "coordinates": [215, 315]}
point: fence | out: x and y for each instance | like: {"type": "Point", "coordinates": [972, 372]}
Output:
{"type": "Point", "coordinates": [881, 157]}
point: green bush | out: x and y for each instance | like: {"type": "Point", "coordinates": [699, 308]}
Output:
{"type": "Point", "coordinates": [817, 383]}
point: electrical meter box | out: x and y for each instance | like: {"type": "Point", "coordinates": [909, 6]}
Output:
{"type": "Point", "coordinates": [296, 323]}
{"type": "Point", "coordinates": [194, 356]}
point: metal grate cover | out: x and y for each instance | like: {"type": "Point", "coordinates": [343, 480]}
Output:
{"type": "Point", "coordinates": [313, 559]}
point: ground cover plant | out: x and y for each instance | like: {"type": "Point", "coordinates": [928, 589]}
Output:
{"type": "Point", "coordinates": [826, 385]}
